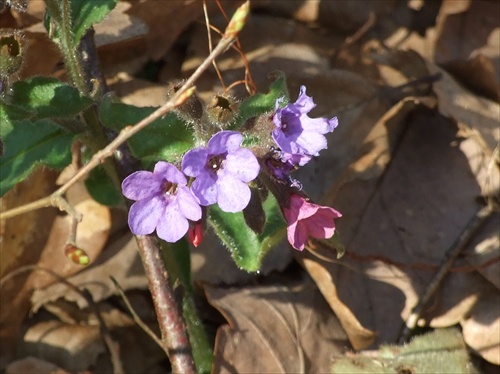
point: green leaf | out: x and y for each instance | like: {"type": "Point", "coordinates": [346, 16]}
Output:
{"type": "Point", "coordinates": [29, 145]}
{"type": "Point", "coordinates": [259, 104]}
{"type": "Point", "coordinates": [248, 248]}
{"type": "Point", "coordinates": [102, 188]}
{"type": "Point", "coordinates": [85, 13]}
{"type": "Point", "coordinates": [167, 138]}
{"type": "Point", "coordinates": [43, 97]}
{"type": "Point", "coordinates": [442, 351]}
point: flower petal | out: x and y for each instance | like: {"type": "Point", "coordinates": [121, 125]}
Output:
{"type": "Point", "coordinates": [297, 235]}
{"type": "Point", "coordinates": [172, 225]}
{"type": "Point", "coordinates": [304, 102]}
{"type": "Point", "coordinates": [243, 164]}
{"type": "Point", "coordinates": [311, 142]}
{"type": "Point", "coordinates": [205, 189]}
{"type": "Point", "coordinates": [169, 172]}
{"type": "Point", "coordinates": [140, 185]}
{"type": "Point", "coordinates": [194, 162]}
{"type": "Point", "coordinates": [188, 204]}
{"type": "Point", "coordinates": [233, 195]}
{"type": "Point", "coordinates": [144, 215]}
{"type": "Point", "coordinates": [224, 141]}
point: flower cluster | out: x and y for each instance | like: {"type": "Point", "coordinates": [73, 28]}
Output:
{"type": "Point", "coordinates": [164, 201]}
{"type": "Point", "coordinates": [168, 198]}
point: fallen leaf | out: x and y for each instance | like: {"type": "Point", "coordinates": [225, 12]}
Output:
{"type": "Point", "coordinates": [278, 328]}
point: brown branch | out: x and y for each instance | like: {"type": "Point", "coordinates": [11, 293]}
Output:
{"type": "Point", "coordinates": [172, 325]}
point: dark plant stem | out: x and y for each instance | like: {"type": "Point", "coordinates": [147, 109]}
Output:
{"type": "Point", "coordinates": [175, 340]}
{"type": "Point", "coordinates": [172, 325]}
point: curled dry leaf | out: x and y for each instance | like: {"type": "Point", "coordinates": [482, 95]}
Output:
{"type": "Point", "coordinates": [72, 347]}
{"type": "Point", "coordinates": [279, 328]}
{"type": "Point", "coordinates": [120, 259]}
{"type": "Point", "coordinates": [467, 43]}
{"type": "Point", "coordinates": [359, 336]}
{"type": "Point", "coordinates": [23, 238]}
{"type": "Point", "coordinates": [402, 210]}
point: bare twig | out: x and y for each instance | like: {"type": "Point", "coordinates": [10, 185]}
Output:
{"type": "Point", "coordinates": [450, 256]}
{"type": "Point", "coordinates": [136, 317]}
{"type": "Point", "coordinates": [177, 99]}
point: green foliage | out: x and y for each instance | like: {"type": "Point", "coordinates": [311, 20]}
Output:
{"type": "Point", "coordinates": [259, 104]}
{"type": "Point", "coordinates": [102, 189]}
{"type": "Point", "coordinates": [442, 351]}
{"type": "Point", "coordinates": [83, 14]}
{"type": "Point", "coordinates": [248, 248]}
{"type": "Point", "coordinates": [31, 144]}
{"type": "Point", "coordinates": [30, 137]}
{"type": "Point", "coordinates": [40, 97]}
{"type": "Point", "coordinates": [86, 13]}
{"type": "Point", "coordinates": [167, 138]}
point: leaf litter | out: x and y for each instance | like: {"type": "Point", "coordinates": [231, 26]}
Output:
{"type": "Point", "coordinates": [407, 166]}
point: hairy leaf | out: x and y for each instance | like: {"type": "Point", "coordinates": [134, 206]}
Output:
{"type": "Point", "coordinates": [248, 248]}
{"type": "Point", "coordinates": [43, 97]}
{"type": "Point", "coordinates": [167, 138]}
{"type": "Point", "coordinates": [32, 144]}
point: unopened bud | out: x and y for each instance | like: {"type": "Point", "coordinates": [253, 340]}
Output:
{"type": "Point", "coordinates": [195, 234]}
{"type": "Point", "coordinates": [192, 109]}
{"type": "Point", "coordinates": [76, 255]}
{"type": "Point", "coordinates": [12, 48]}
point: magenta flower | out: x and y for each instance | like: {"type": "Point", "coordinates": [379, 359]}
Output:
{"type": "Point", "coordinates": [222, 171]}
{"type": "Point", "coordinates": [163, 202]}
{"type": "Point", "coordinates": [296, 133]}
{"type": "Point", "coordinates": [306, 219]}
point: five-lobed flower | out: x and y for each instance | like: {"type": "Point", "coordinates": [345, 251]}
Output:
{"type": "Point", "coordinates": [298, 135]}
{"type": "Point", "coordinates": [163, 202]}
{"type": "Point", "coordinates": [306, 219]}
{"type": "Point", "coordinates": [222, 170]}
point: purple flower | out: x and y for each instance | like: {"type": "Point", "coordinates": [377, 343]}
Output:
{"type": "Point", "coordinates": [296, 133]}
{"type": "Point", "coordinates": [306, 219]}
{"type": "Point", "coordinates": [222, 171]}
{"type": "Point", "coordinates": [163, 202]}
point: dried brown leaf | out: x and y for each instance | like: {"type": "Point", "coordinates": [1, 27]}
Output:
{"type": "Point", "coordinates": [467, 43]}
{"type": "Point", "coordinates": [23, 238]}
{"type": "Point", "coordinates": [279, 328]}
{"type": "Point", "coordinates": [72, 347]}
{"type": "Point", "coordinates": [120, 260]}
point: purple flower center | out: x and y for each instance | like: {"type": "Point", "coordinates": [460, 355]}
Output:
{"type": "Point", "coordinates": [169, 188]}
{"type": "Point", "coordinates": [215, 163]}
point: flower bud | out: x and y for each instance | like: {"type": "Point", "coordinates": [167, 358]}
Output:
{"type": "Point", "coordinates": [76, 255]}
{"type": "Point", "coordinates": [222, 110]}
{"type": "Point", "coordinates": [195, 234]}
{"type": "Point", "coordinates": [12, 48]}
{"type": "Point", "coordinates": [192, 109]}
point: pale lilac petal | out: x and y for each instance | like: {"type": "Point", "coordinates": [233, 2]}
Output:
{"type": "Point", "coordinates": [205, 189]}
{"type": "Point", "coordinates": [311, 142]}
{"type": "Point", "coordinates": [224, 141]}
{"type": "Point", "coordinates": [233, 195]}
{"type": "Point", "coordinates": [140, 185]}
{"type": "Point", "coordinates": [243, 164]}
{"type": "Point", "coordinates": [169, 172]}
{"type": "Point", "coordinates": [172, 225]}
{"type": "Point", "coordinates": [305, 102]}
{"type": "Point", "coordinates": [320, 125]}
{"type": "Point", "coordinates": [194, 162]}
{"type": "Point", "coordinates": [188, 204]}
{"type": "Point", "coordinates": [144, 215]}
